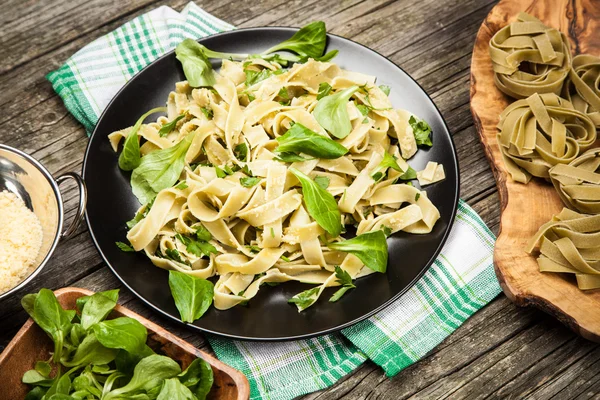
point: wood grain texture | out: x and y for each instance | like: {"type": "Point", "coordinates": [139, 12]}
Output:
{"type": "Point", "coordinates": [526, 207]}
{"type": "Point", "coordinates": [18, 357]}
{"type": "Point", "coordinates": [432, 40]}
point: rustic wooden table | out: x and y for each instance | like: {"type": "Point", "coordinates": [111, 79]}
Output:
{"type": "Point", "coordinates": [501, 352]}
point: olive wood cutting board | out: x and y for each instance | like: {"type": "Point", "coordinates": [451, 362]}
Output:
{"type": "Point", "coordinates": [526, 207]}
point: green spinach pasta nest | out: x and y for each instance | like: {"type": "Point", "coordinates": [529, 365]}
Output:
{"type": "Point", "coordinates": [541, 131]}
{"type": "Point", "coordinates": [570, 243]}
{"type": "Point", "coordinates": [578, 183]}
{"type": "Point", "coordinates": [528, 57]}
{"type": "Point", "coordinates": [582, 87]}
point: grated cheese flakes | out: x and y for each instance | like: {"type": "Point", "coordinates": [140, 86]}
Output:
{"type": "Point", "coordinates": [20, 240]}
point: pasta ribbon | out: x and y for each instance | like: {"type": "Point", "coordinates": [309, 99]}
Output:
{"type": "Point", "coordinates": [529, 57]}
{"type": "Point", "coordinates": [541, 131]}
{"type": "Point", "coordinates": [578, 183]}
{"type": "Point", "coordinates": [570, 243]}
{"type": "Point", "coordinates": [582, 87]}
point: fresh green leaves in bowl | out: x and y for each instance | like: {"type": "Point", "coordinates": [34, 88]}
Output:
{"type": "Point", "coordinates": [107, 359]}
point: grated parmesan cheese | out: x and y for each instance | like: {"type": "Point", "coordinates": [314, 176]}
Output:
{"type": "Point", "coordinates": [20, 240]}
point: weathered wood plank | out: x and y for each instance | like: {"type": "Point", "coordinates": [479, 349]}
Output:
{"type": "Point", "coordinates": [495, 353]}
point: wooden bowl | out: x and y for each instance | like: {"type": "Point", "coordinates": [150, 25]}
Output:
{"type": "Point", "coordinates": [526, 207]}
{"type": "Point", "coordinates": [31, 344]}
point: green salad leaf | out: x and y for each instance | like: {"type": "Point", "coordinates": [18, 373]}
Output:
{"type": "Point", "coordinates": [332, 114]}
{"type": "Point", "coordinates": [196, 66]}
{"type": "Point", "coordinates": [327, 57]}
{"type": "Point", "coordinates": [300, 139]}
{"type": "Point", "coordinates": [309, 41]}
{"type": "Point", "coordinates": [421, 130]}
{"type": "Point", "coordinates": [324, 90]}
{"type": "Point", "coordinates": [320, 204]}
{"type": "Point", "coordinates": [253, 77]}
{"type": "Point", "coordinates": [389, 162]}
{"type": "Point", "coordinates": [169, 126]}
{"type": "Point", "coordinates": [249, 181]}
{"type": "Point", "coordinates": [125, 247]}
{"type": "Point", "coordinates": [33, 377]}
{"type": "Point", "coordinates": [148, 374]}
{"type": "Point", "coordinates": [322, 181]}
{"type": "Point", "coordinates": [181, 185]}
{"type": "Point", "coordinates": [121, 333]}
{"type": "Point", "coordinates": [291, 157]}
{"type": "Point", "coordinates": [409, 174]}
{"type": "Point", "coordinates": [208, 112]}
{"type": "Point", "coordinates": [46, 311]}
{"type": "Point", "coordinates": [198, 377]}
{"type": "Point", "coordinates": [173, 389]}
{"type": "Point", "coordinates": [130, 157]}
{"type": "Point", "coordinates": [370, 248]}
{"type": "Point", "coordinates": [159, 170]}
{"type": "Point", "coordinates": [90, 351]}
{"type": "Point", "coordinates": [305, 299]}
{"type": "Point", "coordinates": [95, 308]}
{"type": "Point", "coordinates": [37, 393]}
{"type": "Point", "coordinates": [192, 295]}
{"type": "Point", "coordinates": [241, 152]}
{"type": "Point", "coordinates": [385, 89]}
{"type": "Point", "coordinates": [126, 361]}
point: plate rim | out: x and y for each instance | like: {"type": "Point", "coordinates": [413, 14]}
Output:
{"type": "Point", "coordinates": [338, 328]}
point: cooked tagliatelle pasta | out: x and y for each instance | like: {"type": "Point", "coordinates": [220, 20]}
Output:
{"type": "Point", "coordinates": [242, 181]}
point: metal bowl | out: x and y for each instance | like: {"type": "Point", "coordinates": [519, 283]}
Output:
{"type": "Point", "coordinates": [24, 176]}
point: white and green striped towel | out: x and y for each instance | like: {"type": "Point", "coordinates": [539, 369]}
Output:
{"type": "Point", "coordinates": [459, 283]}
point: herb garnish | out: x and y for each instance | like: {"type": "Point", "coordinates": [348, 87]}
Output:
{"type": "Point", "coordinates": [421, 130]}
{"type": "Point", "coordinates": [305, 299]}
{"type": "Point", "coordinates": [169, 126]}
{"type": "Point", "coordinates": [125, 247]}
{"type": "Point", "coordinates": [324, 90]}
{"type": "Point", "coordinates": [248, 181]}
{"type": "Point", "coordinates": [343, 279]}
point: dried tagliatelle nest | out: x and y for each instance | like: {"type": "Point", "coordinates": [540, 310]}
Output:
{"type": "Point", "coordinates": [578, 183]}
{"type": "Point", "coordinates": [582, 87]}
{"type": "Point", "coordinates": [570, 243]}
{"type": "Point", "coordinates": [528, 57]}
{"type": "Point", "coordinates": [541, 131]}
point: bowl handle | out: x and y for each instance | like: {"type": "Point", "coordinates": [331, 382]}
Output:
{"type": "Point", "coordinates": [67, 233]}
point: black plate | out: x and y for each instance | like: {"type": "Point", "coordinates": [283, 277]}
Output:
{"type": "Point", "coordinates": [268, 316]}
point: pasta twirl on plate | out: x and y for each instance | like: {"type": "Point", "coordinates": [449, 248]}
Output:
{"type": "Point", "coordinates": [253, 180]}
